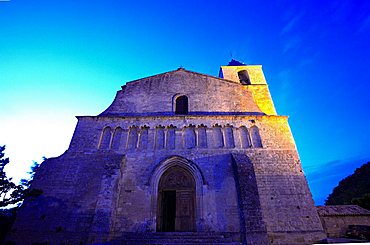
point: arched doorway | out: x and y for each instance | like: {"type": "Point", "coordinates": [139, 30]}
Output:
{"type": "Point", "coordinates": [176, 201]}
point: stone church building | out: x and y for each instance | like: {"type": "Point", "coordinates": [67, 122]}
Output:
{"type": "Point", "coordinates": [181, 158]}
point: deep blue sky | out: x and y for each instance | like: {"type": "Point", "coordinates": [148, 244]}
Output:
{"type": "Point", "coordinates": [64, 58]}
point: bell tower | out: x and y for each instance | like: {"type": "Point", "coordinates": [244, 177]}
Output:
{"type": "Point", "coordinates": [253, 79]}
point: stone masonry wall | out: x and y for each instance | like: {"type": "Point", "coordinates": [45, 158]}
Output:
{"type": "Point", "coordinates": [255, 73]}
{"type": "Point", "coordinates": [119, 198]}
{"type": "Point", "coordinates": [261, 95]}
{"type": "Point", "coordinates": [286, 201]}
{"type": "Point", "coordinates": [135, 213]}
{"type": "Point", "coordinates": [212, 132]}
{"type": "Point", "coordinates": [66, 210]}
{"type": "Point", "coordinates": [258, 86]}
{"type": "Point", "coordinates": [337, 225]}
{"type": "Point", "coordinates": [279, 177]}
{"type": "Point", "coordinates": [206, 94]}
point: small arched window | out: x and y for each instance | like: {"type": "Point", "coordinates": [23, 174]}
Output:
{"type": "Point", "coordinates": [244, 77]}
{"type": "Point", "coordinates": [181, 105]}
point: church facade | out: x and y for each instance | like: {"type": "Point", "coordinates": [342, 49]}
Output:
{"type": "Point", "coordinates": [177, 153]}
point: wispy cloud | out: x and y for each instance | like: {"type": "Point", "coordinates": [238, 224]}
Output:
{"type": "Point", "coordinates": [324, 177]}
{"type": "Point", "coordinates": [291, 43]}
{"type": "Point", "coordinates": [318, 167]}
{"type": "Point", "coordinates": [290, 24]}
{"type": "Point", "coordinates": [346, 164]}
{"type": "Point", "coordinates": [364, 25]}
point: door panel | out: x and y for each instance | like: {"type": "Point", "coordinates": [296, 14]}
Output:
{"type": "Point", "coordinates": [185, 210]}
{"type": "Point", "coordinates": [176, 201]}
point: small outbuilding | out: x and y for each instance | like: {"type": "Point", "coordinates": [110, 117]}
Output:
{"type": "Point", "coordinates": [336, 219]}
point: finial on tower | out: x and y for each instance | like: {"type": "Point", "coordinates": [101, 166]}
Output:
{"type": "Point", "coordinates": [235, 63]}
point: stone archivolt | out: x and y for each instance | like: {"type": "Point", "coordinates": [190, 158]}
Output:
{"type": "Point", "coordinates": [191, 136]}
{"type": "Point", "coordinates": [176, 179]}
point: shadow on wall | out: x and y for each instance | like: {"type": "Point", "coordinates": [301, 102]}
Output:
{"type": "Point", "coordinates": [251, 220]}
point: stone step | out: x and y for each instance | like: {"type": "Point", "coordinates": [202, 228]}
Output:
{"type": "Point", "coordinates": [159, 242]}
{"type": "Point", "coordinates": [170, 238]}
{"type": "Point", "coordinates": [174, 243]}
{"type": "Point", "coordinates": [176, 237]}
{"type": "Point", "coordinates": [182, 239]}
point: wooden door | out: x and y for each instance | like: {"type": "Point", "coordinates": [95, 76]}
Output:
{"type": "Point", "coordinates": [185, 220]}
{"type": "Point", "coordinates": [176, 201]}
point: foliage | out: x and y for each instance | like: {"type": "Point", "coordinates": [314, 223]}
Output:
{"type": "Point", "coordinates": [11, 193]}
{"type": "Point", "coordinates": [354, 189]}
{"type": "Point", "coordinates": [363, 201]}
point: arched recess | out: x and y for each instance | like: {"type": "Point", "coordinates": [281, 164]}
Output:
{"type": "Point", "coordinates": [143, 137]}
{"type": "Point", "coordinates": [159, 137]}
{"type": "Point", "coordinates": [189, 137]}
{"type": "Point", "coordinates": [218, 138]}
{"type": "Point", "coordinates": [171, 163]}
{"type": "Point", "coordinates": [132, 138]}
{"type": "Point", "coordinates": [116, 141]}
{"type": "Point", "coordinates": [256, 137]}
{"type": "Point", "coordinates": [229, 136]}
{"type": "Point", "coordinates": [202, 136]}
{"type": "Point", "coordinates": [244, 137]}
{"type": "Point", "coordinates": [105, 138]}
{"type": "Point", "coordinates": [181, 105]}
{"type": "Point", "coordinates": [176, 201]}
{"type": "Point", "coordinates": [244, 77]}
{"type": "Point", "coordinates": [170, 137]}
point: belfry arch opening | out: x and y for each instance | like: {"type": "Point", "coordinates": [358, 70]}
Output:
{"type": "Point", "coordinates": [244, 77]}
{"type": "Point", "coordinates": [176, 201]}
{"type": "Point", "coordinates": [182, 105]}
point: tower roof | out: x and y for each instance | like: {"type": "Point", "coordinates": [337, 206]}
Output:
{"type": "Point", "coordinates": [235, 63]}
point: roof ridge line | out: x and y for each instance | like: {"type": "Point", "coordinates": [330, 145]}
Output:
{"type": "Point", "coordinates": [180, 69]}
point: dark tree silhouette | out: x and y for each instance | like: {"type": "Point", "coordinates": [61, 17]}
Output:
{"type": "Point", "coordinates": [354, 189]}
{"type": "Point", "coordinates": [10, 193]}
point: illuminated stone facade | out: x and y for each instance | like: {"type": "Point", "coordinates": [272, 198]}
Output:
{"type": "Point", "coordinates": [177, 152]}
